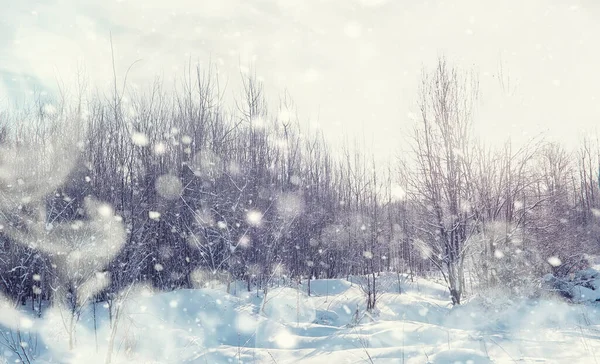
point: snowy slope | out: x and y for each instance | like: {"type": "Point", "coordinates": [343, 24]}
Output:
{"type": "Point", "coordinates": [287, 326]}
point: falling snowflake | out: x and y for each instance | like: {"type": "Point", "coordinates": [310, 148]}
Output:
{"type": "Point", "coordinates": [244, 241]}
{"type": "Point", "coordinates": [289, 205]}
{"type": "Point", "coordinates": [49, 109]}
{"type": "Point", "coordinates": [26, 323]}
{"type": "Point", "coordinates": [284, 339]}
{"type": "Point", "coordinates": [154, 215]}
{"type": "Point", "coordinates": [160, 148]}
{"type": "Point", "coordinates": [398, 193]}
{"type": "Point", "coordinates": [186, 139]}
{"type": "Point", "coordinates": [105, 210]}
{"type": "Point", "coordinates": [245, 323]}
{"type": "Point", "coordinates": [254, 217]}
{"type": "Point", "coordinates": [258, 122]}
{"type": "Point", "coordinates": [169, 187]}
{"type": "Point", "coordinates": [139, 139]}
{"type": "Point", "coordinates": [554, 261]}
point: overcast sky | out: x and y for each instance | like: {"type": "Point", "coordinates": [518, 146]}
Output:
{"type": "Point", "coordinates": [351, 65]}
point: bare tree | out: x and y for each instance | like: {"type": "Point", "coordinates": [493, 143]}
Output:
{"type": "Point", "coordinates": [442, 146]}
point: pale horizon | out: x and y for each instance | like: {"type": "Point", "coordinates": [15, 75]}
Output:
{"type": "Point", "coordinates": [351, 68]}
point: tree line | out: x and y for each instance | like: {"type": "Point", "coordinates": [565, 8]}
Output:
{"type": "Point", "coordinates": [173, 189]}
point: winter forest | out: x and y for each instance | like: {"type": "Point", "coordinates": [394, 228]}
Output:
{"type": "Point", "coordinates": [169, 224]}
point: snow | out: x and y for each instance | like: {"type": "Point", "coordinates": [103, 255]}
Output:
{"type": "Point", "coordinates": [254, 217]}
{"type": "Point", "coordinates": [169, 187]}
{"type": "Point", "coordinates": [139, 139]}
{"type": "Point", "coordinates": [288, 326]}
{"type": "Point", "coordinates": [398, 193]}
{"type": "Point", "coordinates": [160, 148]}
{"type": "Point", "coordinates": [582, 286]}
{"type": "Point", "coordinates": [465, 356]}
{"type": "Point", "coordinates": [554, 261]}
{"type": "Point", "coordinates": [154, 215]}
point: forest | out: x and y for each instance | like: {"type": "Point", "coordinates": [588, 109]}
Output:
{"type": "Point", "coordinates": [104, 190]}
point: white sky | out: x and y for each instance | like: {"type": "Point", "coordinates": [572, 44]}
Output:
{"type": "Point", "coordinates": [352, 64]}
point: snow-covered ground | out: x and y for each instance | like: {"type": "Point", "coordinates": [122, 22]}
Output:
{"type": "Point", "coordinates": [287, 326]}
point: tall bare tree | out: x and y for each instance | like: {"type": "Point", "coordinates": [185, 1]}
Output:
{"type": "Point", "coordinates": [442, 147]}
